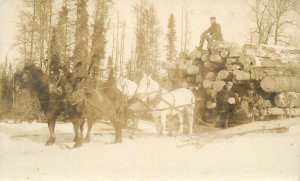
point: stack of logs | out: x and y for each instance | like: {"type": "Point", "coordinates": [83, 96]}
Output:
{"type": "Point", "coordinates": [275, 71]}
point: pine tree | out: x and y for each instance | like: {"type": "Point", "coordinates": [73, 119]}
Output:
{"type": "Point", "coordinates": [101, 25]}
{"type": "Point", "coordinates": [111, 80]}
{"type": "Point", "coordinates": [54, 53]}
{"type": "Point", "coordinates": [81, 33]}
{"type": "Point", "coordinates": [62, 32]}
{"type": "Point", "coordinates": [10, 71]}
{"type": "Point", "coordinates": [171, 40]}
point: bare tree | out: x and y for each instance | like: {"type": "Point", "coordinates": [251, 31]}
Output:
{"type": "Point", "coordinates": [281, 11]}
{"type": "Point", "coordinates": [119, 46]}
{"type": "Point", "coordinates": [34, 30]}
{"type": "Point", "coordinates": [146, 36]}
{"type": "Point", "coordinates": [263, 21]}
{"type": "Point", "coordinates": [271, 18]}
{"type": "Point", "coordinates": [22, 38]}
{"type": "Point", "coordinates": [186, 31]}
{"type": "Point", "coordinates": [182, 29]}
{"type": "Point", "coordinates": [122, 48]}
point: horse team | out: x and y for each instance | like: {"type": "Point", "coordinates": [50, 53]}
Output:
{"type": "Point", "coordinates": [109, 103]}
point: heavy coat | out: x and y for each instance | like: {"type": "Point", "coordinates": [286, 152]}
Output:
{"type": "Point", "coordinates": [215, 32]}
{"type": "Point", "coordinates": [223, 104]}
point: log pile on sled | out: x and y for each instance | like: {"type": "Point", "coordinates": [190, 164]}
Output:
{"type": "Point", "coordinates": [275, 72]}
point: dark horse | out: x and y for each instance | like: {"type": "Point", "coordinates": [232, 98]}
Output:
{"type": "Point", "coordinates": [94, 105]}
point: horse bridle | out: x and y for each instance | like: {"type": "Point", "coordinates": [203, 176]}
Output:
{"type": "Point", "coordinates": [145, 93]}
{"type": "Point", "coordinates": [31, 82]}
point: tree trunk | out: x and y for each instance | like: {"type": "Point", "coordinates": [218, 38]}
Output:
{"type": "Point", "coordinates": [186, 31]}
{"type": "Point", "coordinates": [32, 32]}
{"type": "Point", "coordinates": [49, 36]}
{"type": "Point", "coordinates": [181, 40]}
{"type": "Point", "coordinates": [276, 32]}
{"type": "Point", "coordinates": [113, 45]}
{"type": "Point", "coordinates": [25, 47]}
{"type": "Point", "coordinates": [117, 46]}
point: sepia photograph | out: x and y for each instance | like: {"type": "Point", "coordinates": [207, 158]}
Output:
{"type": "Point", "coordinates": [142, 90]}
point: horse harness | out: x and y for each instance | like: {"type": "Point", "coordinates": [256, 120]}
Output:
{"type": "Point", "coordinates": [159, 97]}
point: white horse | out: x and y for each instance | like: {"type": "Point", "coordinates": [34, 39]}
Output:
{"type": "Point", "coordinates": [166, 103]}
{"type": "Point", "coordinates": [128, 87]}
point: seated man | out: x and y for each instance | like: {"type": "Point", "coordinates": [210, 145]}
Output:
{"type": "Point", "coordinates": [212, 33]}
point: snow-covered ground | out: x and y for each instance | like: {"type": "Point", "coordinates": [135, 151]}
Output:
{"type": "Point", "coordinates": [253, 156]}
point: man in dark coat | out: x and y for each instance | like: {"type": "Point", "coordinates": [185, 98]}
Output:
{"type": "Point", "coordinates": [200, 108]}
{"type": "Point", "coordinates": [227, 101]}
{"type": "Point", "coordinates": [212, 33]}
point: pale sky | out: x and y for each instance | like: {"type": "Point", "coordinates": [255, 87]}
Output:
{"type": "Point", "coordinates": [233, 15]}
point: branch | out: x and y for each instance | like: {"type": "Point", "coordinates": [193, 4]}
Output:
{"type": "Point", "coordinates": [283, 36]}
{"type": "Point", "coordinates": [290, 22]}
{"type": "Point", "coordinates": [284, 42]}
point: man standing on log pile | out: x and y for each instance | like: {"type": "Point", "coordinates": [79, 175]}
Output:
{"type": "Point", "coordinates": [227, 101]}
{"type": "Point", "coordinates": [211, 34]}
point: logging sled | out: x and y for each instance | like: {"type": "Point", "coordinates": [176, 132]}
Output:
{"type": "Point", "coordinates": [273, 126]}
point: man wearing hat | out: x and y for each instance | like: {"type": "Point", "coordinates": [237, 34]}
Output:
{"type": "Point", "coordinates": [212, 33]}
{"type": "Point", "coordinates": [227, 101]}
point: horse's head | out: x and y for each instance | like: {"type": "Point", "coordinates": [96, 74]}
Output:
{"type": "Point", "coordinates": [18, 81]}
{"type": "Point", "coordinates": [23, 78]}
{"type": "Point", "coordinates": [28, 77]}
{"type": "Point", "coordinates": [128, 87]}
{"type": "Point", "coordinates": [147, 87]}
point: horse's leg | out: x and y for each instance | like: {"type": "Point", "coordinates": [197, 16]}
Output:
{"type": "Point", "coordinates": [78, 133]}
{"type": "Point", "coordinates": [82, 126]}
{"type": "Point", "coordinates": [180, 116]}
{"type": "Point", "coordinates": [88, 133]}
{"type": "Point", "coordinates": [170, 123]}
{"type": "Point", "coordinates": [74, 128]}
{"type": "Point", "coordinates": [191, 120]}
{"type": "Point", "coordinates": [134, 125]}
{"type": "Point", "coordinates": [118, 131]}
{"type": "Point", "coordinates": [163, 122]}
{"type": "Point", "coordinates": [51, 127]}
{"type": "Point", "coordinates": [157, 122]}
{"type": "Point", "coordinates": [51, 118]}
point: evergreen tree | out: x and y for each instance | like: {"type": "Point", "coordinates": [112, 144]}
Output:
{"type": "Point", "coordinates": [54, 53]}
{"type": "Point", "coordinates": [81, 33]}
{"type": "Point", "coordinates": [111, 80]}
{"type": "Point", "coordinates": [62, 32]}
{"type": "Point", "coordinates": [171, 39]}
{"type": "Point", "coordinates": [101, 25]}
